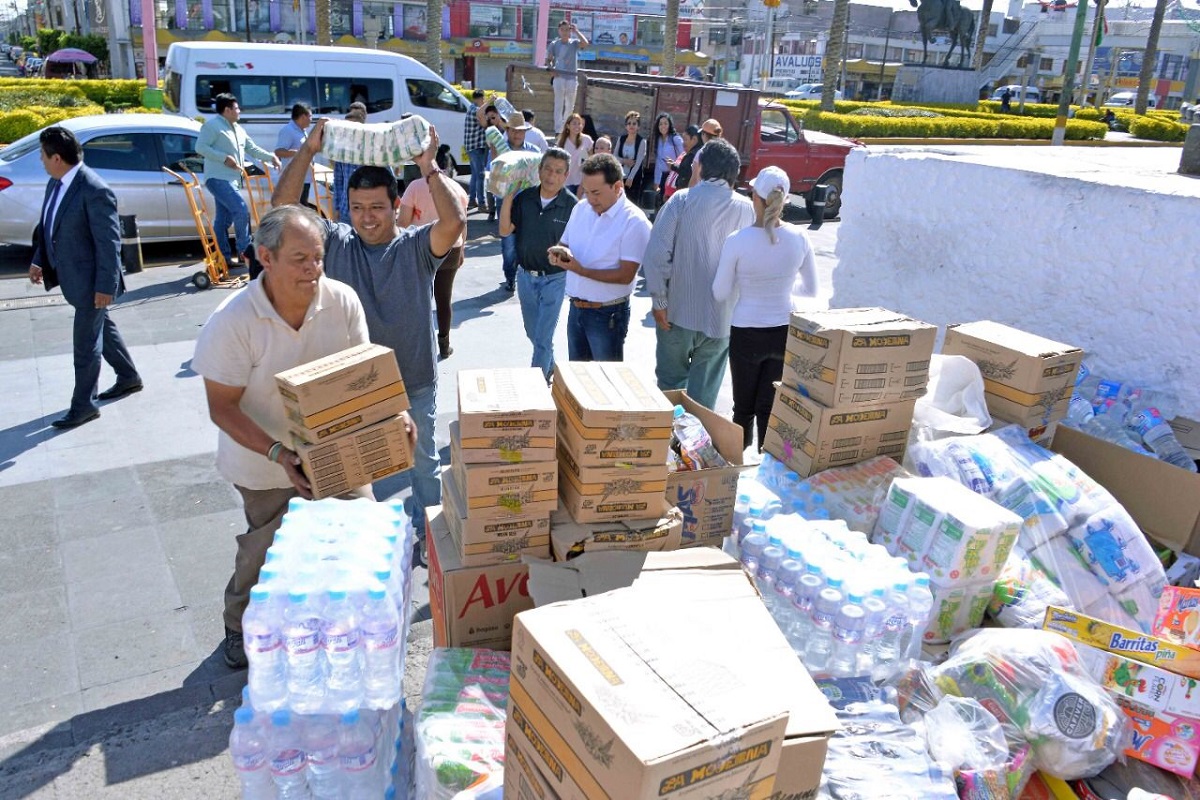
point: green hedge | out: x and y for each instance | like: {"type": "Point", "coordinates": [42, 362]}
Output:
{"type": "Point", "coordinates": [957, 127]}
{"type": "Point", "coordinates": [106, 93]}
{"type": "Point", "coordinates": [15, 124]}
{"type": "Point", "coordinates": [1161, 130]}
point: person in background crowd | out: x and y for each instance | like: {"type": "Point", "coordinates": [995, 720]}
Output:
{"type": "Point", "coordinates": [766, 268]}
{"type": "Point", "coordinates": [290, 315]}
{"type": "Point", "coordinates": [77, 245]}
{"type": "Point", "coordinates": [692, 144]}
{"type": "Point", "coordinates": [668, 146]}
{"type": "Point", "coordinates": [631, 152]}
{"type": "Point", "coordinates": [537, 217]}
{"type": "Point", "coordinates": [578, 146]}
{"type": "Point", "coordinates": [534, 135]}
{"type": "Point", "coordinates": [343, 170]}
{"type": "Point", "coordinates": [492, 119]}
{"type": "Point", "coordinates": [393, 270]}
{"type": "Point", "coordinates": [291, 136]}
{"type": "Point", "coordinates": [601, 249]}
{"type": "Point", "coordinates": [224, 144]}
{"type": "Point", "coordinates": [680, 263]}
{"type": "Point", "coordinates": [603, 145]}
{"type": "Point", "coordinates": [515, 131]}
{"type": "Point", "coordinates": [562, 56]}
{"type": "Point", "coordinates": [417, 208]}
{"type": "Point", "coordinates": [709, 129]}
{"type": "Point", "coordinates": [1005, 100]}
{"type": "Point", "coordinates": [475, 144]}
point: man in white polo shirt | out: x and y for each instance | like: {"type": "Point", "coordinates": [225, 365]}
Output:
{"type": "Point", "coordinates": [601, 250]}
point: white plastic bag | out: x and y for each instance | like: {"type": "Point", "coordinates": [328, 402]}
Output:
{"type": "Point", "coordinates": [953, 402]}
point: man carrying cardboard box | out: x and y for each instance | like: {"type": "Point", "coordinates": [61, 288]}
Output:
{"type": "Point", "coordinates": [291, 314]}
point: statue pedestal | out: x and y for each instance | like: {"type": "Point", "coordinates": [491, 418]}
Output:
{"type": "Point", "coordinates": [928, 84]}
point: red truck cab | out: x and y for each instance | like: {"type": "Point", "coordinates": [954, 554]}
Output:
{"type": "Point", "coordinates": [808, 157]}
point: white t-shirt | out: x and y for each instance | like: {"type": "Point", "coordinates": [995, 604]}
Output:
{"type": "Point", "coordinates": [245, 343]}
{"type": "Point", "coordinates": [769, 279]}
{"type": "Point", "coordinates": [602, 241]}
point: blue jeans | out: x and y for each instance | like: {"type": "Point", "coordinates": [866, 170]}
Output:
{"type": "Point", "coordinates": [478, 159]}
{"type": "Point", "coordinates": [541, 302]}
{"type": "Point", "coordinates": [508, 255]}
{"type": "Point", "coordinates": [231, 208]}
{"type": "Point", "coordinates": [692, 361]}
{"type": "Point", "coordinates": [426, 486]}
{"type": "Point", "coordinates": [95, 335]}
{"type": "Point", "coordinates": [597, 334]}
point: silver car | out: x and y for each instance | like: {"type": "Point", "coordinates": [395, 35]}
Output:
{"type": "Point", "coordinates": [128, 151]}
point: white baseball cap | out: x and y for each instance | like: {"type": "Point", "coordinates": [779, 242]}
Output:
{"type": "Point", "coordinates": [768, 180]}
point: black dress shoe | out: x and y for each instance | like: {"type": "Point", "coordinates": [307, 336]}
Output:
{"type": "Point", "coordinates": [117, 390]}
{"type": "Point", "coordinates": [233, 650]}
{"type": "Point", "coordinates": [75, 420]}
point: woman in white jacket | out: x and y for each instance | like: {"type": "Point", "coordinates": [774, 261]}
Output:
{"type": "Point", "coordinates": [770, 266]}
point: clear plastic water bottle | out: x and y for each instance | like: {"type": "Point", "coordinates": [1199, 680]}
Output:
{"type": "Point", "coordinates": [357, 756]}
{"type": "Point", "coordinates": [380, 627]}
{"type": "Point", "coordinates": [889, 647]}
{"type": "Point", "coordinates": [261, 626]}
{"type": "Point", "coordinates": [287, 758]}
{"type": "Point", "coordinates": [741, 509]}
{"type": "Point", "coordinates": [820, 636]}
{"type": "Point", "coordinates": [875, 612]}
{"type": "Point", "coordinates": [250, 752]}
{"type": "Point", "coordinates": [321, 757]}
{"type": "Point", "coordinates": [808, 586]}
{"type": "Point", "coordinates": [696, 449]}
{"type": "Point", "coordinates": [751, 553]}
{"type": "Point", "coordinates": [302, 649]}
{"type": "Point", "coordinates": [786, 576]}
{"type": "Point", "coordinates": [920, 605]}
{"type": "Point", "coordinates": [339, 643]}
{"type": "Point", "coordinates": [768, 566]}
{"type": "Point", "coordinates": [1111, 429]}
{"type": "Point", "coordinates": [1148, 423]}
{"type": "Point", "coordinates": [848, 630]}
{"type": "Point", "coordinates": [1079, 411]}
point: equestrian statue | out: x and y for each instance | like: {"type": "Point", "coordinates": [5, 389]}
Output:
{"type": "Point", "coordinates": [948, 16]}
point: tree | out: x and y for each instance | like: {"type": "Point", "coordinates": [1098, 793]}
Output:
{"type": "Point", "coordinates": [833, 52]}
{"type": "Point", "coordinates": [670, 34]}
{"type": "Point", "coordinates": [323, 12]}
{"type": "Point", "coordinates": [49, 40]}
{"type": "Point", "coordinates": [981, 31]}
{"type": "Point", "coordinates": [91, 43]}
{"type": "Point", "coordinates": [1150, 57]}
{"type": "Point", "coordinates": [433, 35]}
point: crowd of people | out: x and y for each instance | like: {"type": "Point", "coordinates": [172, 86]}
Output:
{"type": "Point", "coordinates": [723, 270]}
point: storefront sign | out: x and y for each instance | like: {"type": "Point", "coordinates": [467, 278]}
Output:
{"type": "Point", "coordinates": [802, 68]}
{"type": "Point", "coordinates": [610, 29]}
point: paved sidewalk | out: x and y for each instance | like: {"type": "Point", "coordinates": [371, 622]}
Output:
{"type": "Point", "coordinates": [118, 537]}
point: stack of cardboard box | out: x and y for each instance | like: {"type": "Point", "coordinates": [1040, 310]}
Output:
{"type": "Point", "coordinates": [343, 417]}
{"type": "Point", "coordinates": [614, 431]}
{"type": "Point", "coordinates": [1027, 379]}
{"type": "Point", "coordinates": [850, 381]}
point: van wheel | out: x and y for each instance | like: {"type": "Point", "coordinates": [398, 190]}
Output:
{"type": "Point", "coordinates": [833, 200]}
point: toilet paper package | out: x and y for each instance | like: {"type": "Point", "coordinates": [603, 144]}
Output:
{"type": "Point", "coordinates": [1023, 592]}
{"type": "Point", "coordinates": [378, 144]}
{"type": "Point", "coordinates": [1059, 559]}
{"type": "Point", "coordinates": [513, 171]}
{"type": "Point", "coordinates": [1114, 548]}
{"type": "Point", "coordinates": [956, 609]}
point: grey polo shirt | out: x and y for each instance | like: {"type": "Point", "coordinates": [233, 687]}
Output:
{"type": "Point", "coordinates": [538, 228]}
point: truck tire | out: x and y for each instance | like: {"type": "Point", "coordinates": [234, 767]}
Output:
{"type": "Point", "coordinates": [833, 200]}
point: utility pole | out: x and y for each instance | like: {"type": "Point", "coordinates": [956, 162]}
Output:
{"type": "Point", "coordinates": [887, 40]}
{"type": "Point", "coordinates": [1068, 85]}
{"type": "Point", "coordinates": [1097, 30]}
{"type": "Point", "coordinates": [764, 71]}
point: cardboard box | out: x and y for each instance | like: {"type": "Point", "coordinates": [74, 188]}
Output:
{"type": "Point", "coordinates": [1123, 641]}
{"type": "Point", "coordinates": [377, 411]}
{"type": "Point", "coordinates": [522, 771]}
{"type": "Point", "coordinates": [706, 496]}
{"type": "Point", "coordinates": [1167, 742]}
{"type": "Point", "coordinates": [1163, 499]}
{"type": "Point", "coordinates": [712, 602]}
{"type": "Point", "coordinates": [493, 489]}
{"type": "Point", "coordinates": [1151, 688]}
{"type": "Point", "coordinates": [1027, 378]}
{"type": "Point", "coordinates": [569, 539]}
{"type": "Point", "coordinates": [496, 540]}
{"type": "Point", "coordinates": [855, 356]}
{"type": "Point", "coordinates": [471, 606]}
{"type": "Point", "coordinates": [505, 416]}
{"type": "Point", "coordinates": [337, 385]}
{"type": "Point", "coordinates": [610, 395]}
{"type": "Point", "coordinates": [810, 437]}
{"type": "Point", "coordinates": [351, 460]}
{"type": "Point", "coordinates": [1187, 431]}
{"type": "Point", "coordinates": [611, 493]}
{"type": "Point", "coordinates": [631, 445]}
{"type": "Point", "coordinates": [1178, 617]}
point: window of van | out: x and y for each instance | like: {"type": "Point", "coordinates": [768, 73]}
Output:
{"type": "Point", "coordinates": [431, 94]}
{"type": "Point", "coordinates": [256, 94]}
{"type": "Point", "coordinates": [336, 94]}
{"type": "Point", "coordinates": [298, 90]}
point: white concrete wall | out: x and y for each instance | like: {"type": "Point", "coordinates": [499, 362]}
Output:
{"type": "Point", "coordinates": [1096, 247]}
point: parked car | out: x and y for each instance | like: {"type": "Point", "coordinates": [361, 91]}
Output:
{"type": "Point", "coordinates": [33, 66]}
{"type": "Point", "coordinates": [128, 151]}
{"type": "Point", "coordinates": [1128, 100]}
{"type": "Point", "coordinates": [811, 91]}
{"type": "Point", "coordinates": [1032, 93]}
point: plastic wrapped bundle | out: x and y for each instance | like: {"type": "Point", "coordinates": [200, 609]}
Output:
{"type": "Point", "coordinates": [460, 726]}
{"type": "Point", "coordinates": [1022, 593]}
{"type": "Point", "coordinates": [514, 171]}
{"type": "Point", "coordinates": [378, 144]}
{"type": "Point", "coordinates": [1033, 683]}
{"type": "Point", "coordinates": [965, 737]}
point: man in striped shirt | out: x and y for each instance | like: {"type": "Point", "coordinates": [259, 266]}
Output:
{"type": "Point", "coordinates": [680, 264]}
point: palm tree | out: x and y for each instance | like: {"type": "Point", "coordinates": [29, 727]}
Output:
{"type": "Point", "coordinates": [1149, 57]}
{"type": "Point", "coordinates": [433, 35]}
{"type": "Point", "coordinates": [981, 31]}
{"type": "Point", "coordinates": [324, 36]}
{"type": "Point", "coordinates": [833, 52]}
{"type": "Point", "coordinates": [670, 34]}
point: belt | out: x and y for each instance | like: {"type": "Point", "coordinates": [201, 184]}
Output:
{"type": "Point", "coordinates": [541, 273]}
{"type": "Point", "coordinates": [575, 301]}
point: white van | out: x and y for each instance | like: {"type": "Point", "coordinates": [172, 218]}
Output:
{"type": "Point", "coordinates": [1128, 100]}
{"type": "Point", "coordinates": [269, 78]}
{"type": "Point", "coordinates": [1032, 93]}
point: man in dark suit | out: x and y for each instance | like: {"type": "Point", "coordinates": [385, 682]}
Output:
{"type": "Point", "coordinates": [77, 245]}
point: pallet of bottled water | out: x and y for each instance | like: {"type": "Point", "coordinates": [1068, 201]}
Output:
{"type": "Point", "coordinates": [326, 629]}
{"type": "Point", "coordinates": [362, 753]}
